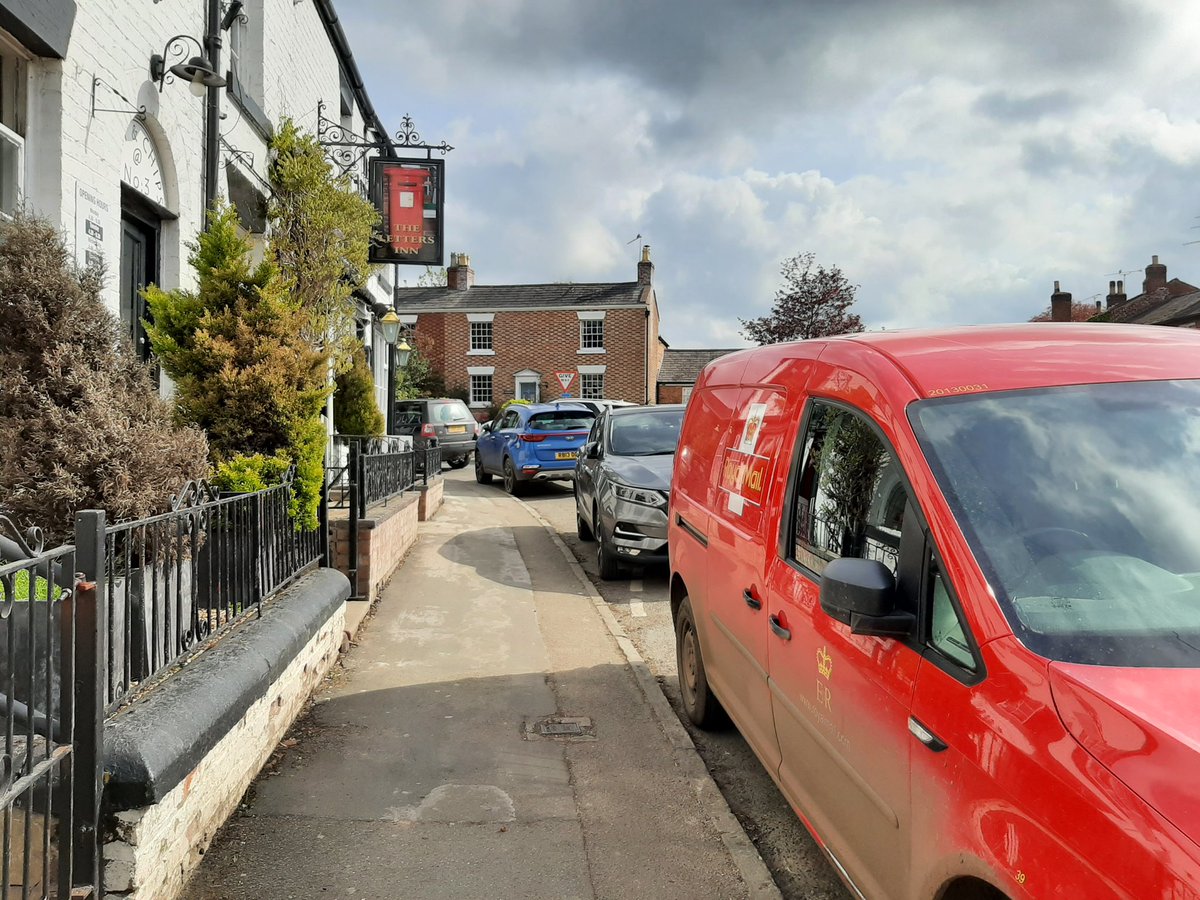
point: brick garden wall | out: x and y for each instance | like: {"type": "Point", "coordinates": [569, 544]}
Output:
{"type": "Point", "coordinates": [384, 536]}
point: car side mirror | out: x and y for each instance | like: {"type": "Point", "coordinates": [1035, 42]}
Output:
{"type": "Point", "coordinates": [487, 426]}
{"type": "Point", "coordinates": [861, 593]}
{"type": "Point", "coordinates": [592, 450]}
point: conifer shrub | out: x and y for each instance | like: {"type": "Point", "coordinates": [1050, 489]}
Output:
{"type": "Point", "coordinates": [243, 369]}
{"type": "Point", "coordinates": [354, 408]}
{"type": "Point", "coordinates": [83, 426]}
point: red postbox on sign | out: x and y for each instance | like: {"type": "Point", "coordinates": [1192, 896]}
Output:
{"type": "Point", "coordinates": [405, 192]}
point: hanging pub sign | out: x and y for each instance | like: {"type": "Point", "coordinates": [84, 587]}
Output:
{"type": "Point", "coordinates": [409, 194]}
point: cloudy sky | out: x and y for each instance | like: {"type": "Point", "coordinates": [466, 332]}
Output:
{"type": "Point", "coordinates": [953, 158]}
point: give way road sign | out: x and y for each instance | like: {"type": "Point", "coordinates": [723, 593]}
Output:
{"type": "Point", "coordinates": [566, 379]}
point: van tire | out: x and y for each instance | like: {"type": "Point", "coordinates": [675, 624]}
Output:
{"type": "Point", "coordinates": [699, 702]}
{"type": "Point", "coordinates": [481, 475]}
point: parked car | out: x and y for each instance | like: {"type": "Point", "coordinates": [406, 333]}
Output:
{"type": "Point", "coordinates": [947, 585]}
{"type": "Point", "coordinates": [445, 419]}
{"type": "Point", "coordinates": [596, 405]}
{"type": "Point", "coordinates": [536, 442]}
{"type": "Point", "coordinates": [622, 482]}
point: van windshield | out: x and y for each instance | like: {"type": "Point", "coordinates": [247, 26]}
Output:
{"type": "Point", "coordinates": [1081, 504]}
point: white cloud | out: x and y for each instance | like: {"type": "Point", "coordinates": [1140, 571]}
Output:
{"type": "Point", "coordinates": [954, 160]}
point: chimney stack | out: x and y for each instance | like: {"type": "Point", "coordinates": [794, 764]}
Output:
{"type": "Point", "coordinates": [645, 267]}
{"type": "Point", "coordinates": [1156, 276]}
{"type": "Point", "coordinates": [459, 274]}
{"type": "Point", "coordinates": [1060, 305]}
{"type": "Point", "coordinates": [1116, 294]}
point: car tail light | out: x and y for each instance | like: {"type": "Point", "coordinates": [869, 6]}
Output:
{"type": "Point", "coordinates": [477, 429]}
{"type": "Point", "coordinates": [533, 438]}
{"type": "Point", "coordinates": [428, 431]}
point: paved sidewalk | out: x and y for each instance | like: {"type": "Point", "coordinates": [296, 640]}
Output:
{"type": "Point", "coordinates": [422, 773]}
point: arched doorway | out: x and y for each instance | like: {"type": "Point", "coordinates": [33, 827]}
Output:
{"type": "Point", "coordinates": [143, 211]}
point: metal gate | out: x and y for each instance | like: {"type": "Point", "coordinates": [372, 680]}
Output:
{"type": "Point", "coordinates": [51, 651]}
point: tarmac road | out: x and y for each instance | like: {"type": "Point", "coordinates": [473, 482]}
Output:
{"type": "Point", "coordinates": [641, 604]}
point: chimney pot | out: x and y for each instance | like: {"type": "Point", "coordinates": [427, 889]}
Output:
{"type": "Point", "coordinates": [460, 276]}
{"type": "Point", "coordinates": [1060, 305]}
{"type": "Point", "coordinates": [645, 268]}
{"type": "Point", "coordinates": [1156, 276]}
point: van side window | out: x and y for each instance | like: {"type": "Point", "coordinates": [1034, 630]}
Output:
{"type": "Point", "coordinates": [850, 498]}
{"type": "Point", "coordinates": [946, 632]}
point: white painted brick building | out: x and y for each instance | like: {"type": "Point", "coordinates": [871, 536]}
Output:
{"type": "Point", "coordinates": [130, 186]}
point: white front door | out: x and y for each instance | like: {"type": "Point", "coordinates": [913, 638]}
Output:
{"type": "Point", "coordinates": [528, 387]}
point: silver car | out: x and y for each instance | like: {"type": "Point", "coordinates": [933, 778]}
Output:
{"type": "Point", "coordinates": [622, 483]}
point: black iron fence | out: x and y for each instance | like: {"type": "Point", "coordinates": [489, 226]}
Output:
{"type": "Point", "coordinates": [176, 580]}
{"type": "Point", "coordinates": [384, 476]}
{"type": "Point", "coordinates": [51, 632]}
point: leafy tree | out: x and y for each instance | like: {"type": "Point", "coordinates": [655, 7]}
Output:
{"type": "Point", "coordinates": [1080, 312]}
{"type": "Point", "coordinates": [432, 277]}
{"type": "Point", "coordinates": [354, 408]}
{"type": "Point", "coordinates": [244, 369]}
{"type": "Point", "coordinates": [82, 421]}
{"type": "Point", "coordinates": [321, 231]}
{"type": "Point", "coordinates": [813, 301]}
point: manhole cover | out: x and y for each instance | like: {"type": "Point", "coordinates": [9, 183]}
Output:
{"type": "Point", "coordinates": [562, 728]}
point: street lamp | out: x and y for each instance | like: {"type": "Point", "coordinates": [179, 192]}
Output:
{"type": "Point", "coordinates": [398, 355]}
{"type": "Point", "coordinates": [198, 72]}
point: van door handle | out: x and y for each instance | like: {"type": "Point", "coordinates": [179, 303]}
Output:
{"type": "Point", "coordinates": [925, 736]}
{"type": "Point", "coordinates": [751, 601]}
{"type": "Point", "coordinates": [779, 629]}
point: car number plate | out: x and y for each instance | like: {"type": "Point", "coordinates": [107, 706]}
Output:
{"type": "Point", "coordinates": [567, 454]}
{"type": "Point", "coordinates": [456, 429]}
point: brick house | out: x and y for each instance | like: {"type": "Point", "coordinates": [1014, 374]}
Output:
{"type": "Point", "coordinates": [505, 341]}
{"type": "Point", "coordinates": [679, 371]}
{"type": "Point", "coordinates": [1163, 301]}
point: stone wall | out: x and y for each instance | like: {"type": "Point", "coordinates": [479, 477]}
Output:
{"type": "Point", "coordinates": [152, 849]}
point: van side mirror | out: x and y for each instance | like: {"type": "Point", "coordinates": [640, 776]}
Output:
{"type": "Point", "coordinates": [592, 450]}
{"type": "Point", "coordinates": [861, 593]}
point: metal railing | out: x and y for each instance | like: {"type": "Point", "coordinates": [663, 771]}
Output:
{"type": "Point", "coordinates": [337, 457]}
{"type": "Point", "coordinates": [51, 632]}
{"type": "Point", "coordinates": [429, 461]}
{"type": "Point", "coordinates": [176, 580]}
{"type": "Point", "coordinates": [384, 476]}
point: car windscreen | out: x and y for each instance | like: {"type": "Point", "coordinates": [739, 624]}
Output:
{"type": "Point", "coordinates": [649, 433]}
{"type": "Point", "coordinates": [562, 420]}
{"type": "Point", "coordinates": [443, 413]}
{"type": "Point", "coordinates": [1081, 504]}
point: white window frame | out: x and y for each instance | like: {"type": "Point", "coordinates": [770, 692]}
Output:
{"type": "Point", "coordinates": [474, 372]}
{"type": "Point", "coordinates": [11, 194]}
{"type": "Point", "coordinates": [474, 319]}
{"type": "Point", "coordinates": [592, 316]}
{"type": "Point", "coordinates": [14, 103]}
{"type": "Point", "coordinates": [593, 393]}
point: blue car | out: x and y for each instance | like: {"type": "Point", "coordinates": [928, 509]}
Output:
{"type": "Point", "coordinates": [538, 442]}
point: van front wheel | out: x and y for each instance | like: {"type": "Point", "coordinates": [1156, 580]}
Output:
{"type": "Point", "coordinates": [699, 702]}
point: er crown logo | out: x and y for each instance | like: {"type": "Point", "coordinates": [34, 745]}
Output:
{"type": "Point", "coordinates": [824, 662]}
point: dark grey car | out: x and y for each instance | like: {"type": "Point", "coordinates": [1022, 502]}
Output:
{"type": "Point", "coordinates": [444, 418]}
{"type": "Point", "coordinates": [623, 482]}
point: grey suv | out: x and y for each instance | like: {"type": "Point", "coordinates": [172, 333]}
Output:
{"type": "Point", "coordinates": [444, 418]}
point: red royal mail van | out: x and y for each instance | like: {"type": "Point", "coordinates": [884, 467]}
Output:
{"type": "Point", "coordinates": [947, 585]}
